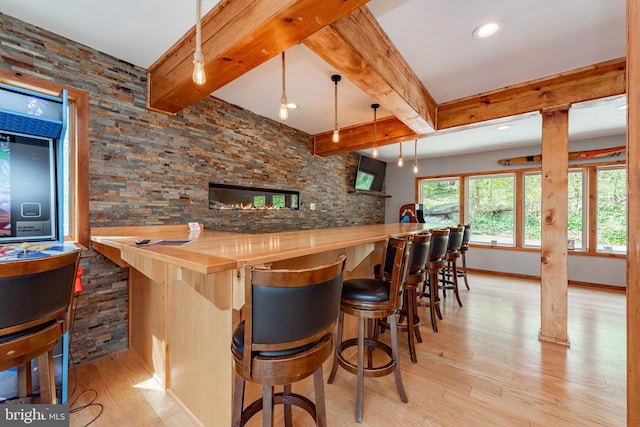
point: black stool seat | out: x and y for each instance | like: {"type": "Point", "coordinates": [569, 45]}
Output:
{"type": "Point", "coordinates": [365, 290]}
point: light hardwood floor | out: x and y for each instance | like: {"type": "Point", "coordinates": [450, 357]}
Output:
{"type": "Point", "coordinates": [485, 367]}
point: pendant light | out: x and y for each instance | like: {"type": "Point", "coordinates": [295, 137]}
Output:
{"type": "Point", "coordinates": [375, 131]}
{"type": "Point", "coordinates": [415, 156]}
{"type": "Point", "coordinates": [284, 112]}
{"type": "Point", "coordinates": [336, 130]}
{"type": "Point", "coordinates": [400, 162]}
{"type": "Point", "coordinates": [199, 76]}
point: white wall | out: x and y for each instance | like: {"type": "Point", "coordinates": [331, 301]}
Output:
{"type": "Point", "coordinates": [400, 184]}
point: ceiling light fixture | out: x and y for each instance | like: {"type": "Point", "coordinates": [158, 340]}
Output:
{"type": "Point", "coordinates": [400, 162]}
{"type": "Point", "coordinates": [375, 131]}
{"type": "Point", "coordinates": [336, 130]}
{"type": "Point", "coordinates": [503, 127]}
{"type": "Point", "coordinates": [487, 29]}
{"type": "Point", "coordinates": [199, 76]}
{"type": "Point", "coordinates": [622, 107]}
{"type": "Point", "coordinates": [415, 156]}
{"type": "Point", "coordinates": [283, 113]}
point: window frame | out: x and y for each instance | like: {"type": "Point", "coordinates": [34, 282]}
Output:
{"type": "Point", "coordinates": [467, 215]}
{"type": "Point", "coordinates": [78, 146]}
{"type": "Point", "coordinates": [589, 204]}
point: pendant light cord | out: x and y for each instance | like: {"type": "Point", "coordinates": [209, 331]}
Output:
{"type": "Point", "coordinates": [335, 105]}
{"type": "Point", "coordinates": [284, 96]}
{"type": "Point", "coordinates": [375, 130]}
{"type": "Point", "coordinates": [198, 52]}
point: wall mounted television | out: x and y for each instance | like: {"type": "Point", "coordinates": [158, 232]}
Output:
{"type": "Point", "coordinates": [370, 174]}
{"type": "Point", "coordinates": [28, 188]}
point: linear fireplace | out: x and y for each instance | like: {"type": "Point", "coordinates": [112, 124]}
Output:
{"type": "Point", "coordinates": [226, 196]}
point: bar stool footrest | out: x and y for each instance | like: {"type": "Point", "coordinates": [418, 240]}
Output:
{"type": "Point", "coordinates": [280, 399]}
{"type": "Point", "coordinates": [374, 371]}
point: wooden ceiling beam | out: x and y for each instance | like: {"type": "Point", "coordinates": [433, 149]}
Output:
{"type": "Point", "coordinates": [237, 36]}
{"type": "Point", "coordinates": [559, 91]}
{"type": "Point", "coordinates": [390, 130]}
{"type": "Point", "coordinates": [359, 49]}
{"type": "Point", "coordinates": [583, 84]}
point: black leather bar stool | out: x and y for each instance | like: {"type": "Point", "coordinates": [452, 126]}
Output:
{"type": "Point", "coordinates": [408, 320]}
{"type": "Point", "coordinates": [464, 248]}
{"type": "Point", "coordinates": [373, 299]}
{"type": "Point", "coordinates": [448, 275]}
{"type": "Point", "coordinates": [286, 336]}
{"type": "Point", "coordinates": [435, 264]}
{"type": "Point", "coordinates": [36, 304]}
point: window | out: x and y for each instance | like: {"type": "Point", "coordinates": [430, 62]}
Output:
{"type": "Point", "coordinates": [491, 209]}
{"type": "Point", "coordinates": [611, 196]}
{"type": "Point", "coordinates": [505, 208]}
{"type": "Point", "coordinates": [278, 201]}
{"type": "Point", "coordinates": [532, 209]}
{"type": "Point", "coordinates": [76, 151]}
{"type": "Point", "coordinates": [441, 201]}
{"type": "Point", "coordinates": [259, 201]}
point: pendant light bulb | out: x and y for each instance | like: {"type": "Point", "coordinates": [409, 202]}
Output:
{"type": "Point", "coordinates": [336, 130]}
{"type": "Point", "coordinates": [400, 162]}
{"type": "Point", "coordinates": [283, 113]}
{"type": "Point", "coordinates": [199, 77]}
{"type": "Point", "coordinates": [415, 157]}
{"type": "Point", "coordinates": [374, 153]}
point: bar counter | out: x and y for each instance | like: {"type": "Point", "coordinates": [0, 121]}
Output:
{"type": "Point", "coordinates": [184, 300]}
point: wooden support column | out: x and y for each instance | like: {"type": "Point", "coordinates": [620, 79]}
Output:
{"type": "Point", "coordinates": [553, 255]}
{"type": "Point", "coordinates": [633, 212]}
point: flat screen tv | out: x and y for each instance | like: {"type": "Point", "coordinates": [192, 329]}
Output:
{"type": "Point", "coordinates": [370, 174]}
{"type": "Point", "coordinates": [28, 188]}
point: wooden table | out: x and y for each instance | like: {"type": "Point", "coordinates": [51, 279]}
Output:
{"type": "Point", "coordinates": [184, 300]}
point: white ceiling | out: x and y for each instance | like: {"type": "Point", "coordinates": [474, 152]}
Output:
{"type": "Point", "coordinates": [539, 38]}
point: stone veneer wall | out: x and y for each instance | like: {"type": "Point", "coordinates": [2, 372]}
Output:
{"type": "Point", "coordinates": [149, 168]}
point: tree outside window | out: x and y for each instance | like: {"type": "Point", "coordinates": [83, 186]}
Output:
{"type": "Point", "coordinates": [491, 213]}
{"type": "Point", "coordinates": [441, 201]}
{"type": "Point", "coordinates": [575, 209]}
{"type": "Point", "coordinates": [612, 209]}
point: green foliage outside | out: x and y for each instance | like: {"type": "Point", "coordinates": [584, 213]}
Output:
{"type": "Point", "coordinates": [441, 201]}
{"type": "Point", "coordinates": [278, 200]}
{"type": "Point", "coordinates": [612, 207]}
{"type": "Point", "coordinates": [491, 208]}
{"type": "Point", "coordinates": [259, 201]}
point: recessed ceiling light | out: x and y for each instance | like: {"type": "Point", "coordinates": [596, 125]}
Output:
{"type": "Point", "coordinates": [503, 127]}
{"type": "Point", "coordinates": [292, 106]}
{"type": "Point", "coordinates": [487, 29]}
